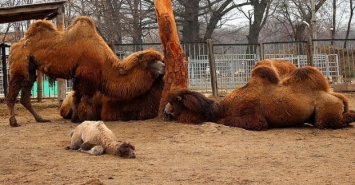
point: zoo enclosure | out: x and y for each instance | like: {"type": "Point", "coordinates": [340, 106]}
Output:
{"type": "Point", "coordinates": [233, 62]}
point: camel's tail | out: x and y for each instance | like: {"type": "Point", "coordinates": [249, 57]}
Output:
{"type": "Point", "coordinates": [344, 99]}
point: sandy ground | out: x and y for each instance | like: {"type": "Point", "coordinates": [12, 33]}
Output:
{"type": "Point", "coordinates": [173, 153]}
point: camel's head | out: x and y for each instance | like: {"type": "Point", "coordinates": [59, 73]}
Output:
{"type": "Point", "coordinates": [194, 103]}
{"type": "Point", "coordinates": [40, 27]}
{"type": "Point", "coordinates": [147, 60]}
{"type": "Point", "coordinates": [126, 150]}
{"type": "Point", "coordinates": [153, 61]}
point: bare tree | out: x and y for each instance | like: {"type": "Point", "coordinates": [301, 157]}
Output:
{"type": "Point", "coordinates": [189, 19]}
{"type": "Point", "coordinates": [257, 18]}
{"type": "Point", "coordinates": [217, 12]}
{"type": "Point", "coordinates": [334, 21]}
{"type": "Point", "coordinates": [352, 7]}
{"type": "Point", "coordinates": [193, 15]}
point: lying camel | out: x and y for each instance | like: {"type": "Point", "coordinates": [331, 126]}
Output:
{"type": "Point", "coordinates": [95, 138]}
{"type": "Point", "coordinates": [268, 102]}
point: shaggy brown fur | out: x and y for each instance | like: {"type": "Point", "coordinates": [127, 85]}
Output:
{"type": "Point", "coordinates": [66, 109]}
{"type": "Point", "coordinates": [302, 97]}
{"type": "Point", "coordinates": [95, 138]}
{"type": "Point", "coordinates": [191, 107]}
{"type": "Point", "coordinates": [107, 109]}
{"type": "Point", "coordinates": [199, 109]}
{"type": "Point", "coordinates": [81, 54]}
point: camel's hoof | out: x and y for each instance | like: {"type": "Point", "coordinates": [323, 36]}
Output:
{"type": "Point", "coordinates": [14, 125]}
{"type": "Point", "coordinates": [76, 120]}
{"type": "Point", "coordinates": [43, 120]}
{"type": "Point", "coordinates": [13, 122]}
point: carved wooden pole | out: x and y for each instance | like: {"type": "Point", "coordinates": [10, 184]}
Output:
{"type": "Point", "coordinates": [61, 82]}
{"type": "Point", "coordinates": [174, 55]}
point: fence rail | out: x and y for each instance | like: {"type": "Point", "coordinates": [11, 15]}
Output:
{"type": "Point", "coordinates": [233, 62]}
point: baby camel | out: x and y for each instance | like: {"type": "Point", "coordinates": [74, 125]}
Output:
{"type": "Point", "coordinates": [95, 138]}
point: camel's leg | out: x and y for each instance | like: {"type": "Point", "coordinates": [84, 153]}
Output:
{"type": "Point", "coordinates": [329, 114]}
{"type": "Point", "coordinates": [249, 122]}
{"type": "Point", "coordinates": [26, 98]}
{"type": "Point", "coordinates": [13, 91]}
{"type": "Point", "coordinates": [87, 106]}
{"type": "Point", "coordinates": [76, 99]}
{"type": "Point", "coordinates": [75, 141]}
{"type": "Point", "coordinates": [26, 102]}
{"type": "Point", "coordinates": [349, 117]}
{"type": "Point", "coordinates": [91, 149]}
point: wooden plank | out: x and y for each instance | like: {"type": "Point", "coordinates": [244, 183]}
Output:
{"type": "Point", "coordinates": [29, 12]}
{"type": "Point", "coordinates": [4, 67]}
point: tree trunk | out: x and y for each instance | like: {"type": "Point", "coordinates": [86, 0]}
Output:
{"type": "Point", "coordinates": [298, 35]}
{"type": "Point", "coordinates": [349, 23]}
{"type": "Point", "coordinates": [174, 56]}
{"type": "Point", "coordinates": [258, 23]}
{"type": "Point", "coordinates": [190, 25]}
{"type": "Point", "coordinates": [137, 24]}
{"type": "Point", "coordinates": [334, 21]}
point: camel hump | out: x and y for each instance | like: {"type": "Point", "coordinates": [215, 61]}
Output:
{"type": "Point", "coordinates": [83, 21]}
{"type": "Point", "coordinates": [310, 77]}
{"type": "Point", "coordinates": [39, 26]}
{"type": "Point", "coordinates": [265, 72]}
{"type": "Point", "coordinates": [282, 67]}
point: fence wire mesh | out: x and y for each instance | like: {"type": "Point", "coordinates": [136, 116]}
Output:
{"type": "Point", "coordinates": [233, 62]}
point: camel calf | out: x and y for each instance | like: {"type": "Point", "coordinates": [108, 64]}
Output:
{"type": "Point", "coordinates": [95, 138]}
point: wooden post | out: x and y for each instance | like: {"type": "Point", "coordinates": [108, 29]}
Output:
{"type": "Point", "coordinates": [39, 86]}
{"type": "Point", "coordinates": [212, 68]}
{"type": "Point", "coordinates": [174, 55]}
{"type": "Point", "coordinates": [310, 51]}
{"type": "Point", "coordinates": [112, 45]}
{"type": "Point", "coordinates": [4, 68]}
{"type": "Point", "coordinates": [61, 82]}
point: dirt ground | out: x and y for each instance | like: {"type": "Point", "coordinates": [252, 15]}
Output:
{"type": "Point", "coordinates": [173, 153]}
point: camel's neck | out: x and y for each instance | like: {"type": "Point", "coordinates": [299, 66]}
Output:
{"type": "Point", "coordinates": [112, 147]}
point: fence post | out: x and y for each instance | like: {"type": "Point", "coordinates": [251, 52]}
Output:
{"type": "Point", "coordinates": [212, 68]}
{"type": "Point", "coordinates": [61, 82]}
{"type": "Point", "coordinates": [4, 68]}
{"type": "Point", "coordinates": [39, 86]}
{"type": "Point", "coordinates": [261, 51]}
{"type": "Point", "coordinates": [310, 51]}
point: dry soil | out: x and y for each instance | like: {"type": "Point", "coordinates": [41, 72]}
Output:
{"type": "Point", "coordinates": [174, 153]}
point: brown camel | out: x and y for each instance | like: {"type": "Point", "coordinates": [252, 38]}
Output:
{"type": "Point", "coordinates": [265, 102]}
{"type": "Point", "coordinates": [77, 53]}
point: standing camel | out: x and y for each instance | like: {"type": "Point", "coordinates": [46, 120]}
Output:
{"type": "Point", "coordinates": [81, 54]}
